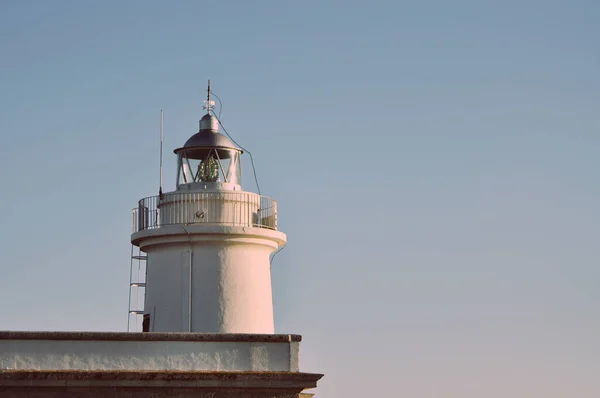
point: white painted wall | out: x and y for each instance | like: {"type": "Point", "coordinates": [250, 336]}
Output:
{"type": "Point", "coordinates": [231, 278]}
{"type": "Point", "coordinates": [90, 355]}
{"type": "Point", "coordinates": [225, 207]}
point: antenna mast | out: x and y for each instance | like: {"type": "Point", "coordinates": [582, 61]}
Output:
{"type": "Point", "coordinates": [208, 104]}
{"type": "Point", "coordinates": [208, 96]}
{"type": "Point", "coordinates": [161, 153]}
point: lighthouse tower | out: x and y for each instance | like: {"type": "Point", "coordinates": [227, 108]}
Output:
{"type": "Point", "coordinates": [207, 244]}
{"type": "Point", "coordinates": [203, 268]}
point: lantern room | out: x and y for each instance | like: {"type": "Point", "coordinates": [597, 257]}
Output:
{"type": "Point", "coordinates": [209, 160]}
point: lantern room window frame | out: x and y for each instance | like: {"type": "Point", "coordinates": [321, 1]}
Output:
{"type": "Point", "coordinates": [228, 162]}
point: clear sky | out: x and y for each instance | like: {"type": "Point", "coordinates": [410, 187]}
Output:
{"type": "Point", "coordinates": [436, 165]}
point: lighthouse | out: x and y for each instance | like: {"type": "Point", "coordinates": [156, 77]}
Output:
{"type": "Point", "coordinates": [208, 243]}
{"type": "Point", "coordinates": [202, 272]}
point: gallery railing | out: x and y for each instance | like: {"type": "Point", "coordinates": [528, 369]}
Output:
{"type": "Point", "coordinates": [245, 209]}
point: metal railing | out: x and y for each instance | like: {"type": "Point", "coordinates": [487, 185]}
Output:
{"type": "Point", "coordinates": [244, 209]}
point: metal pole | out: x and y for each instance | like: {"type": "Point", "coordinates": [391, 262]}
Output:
{"type": "Point", "coordinates": [190, 294]}
{"type": "Point", "coordinates": [161, 151]}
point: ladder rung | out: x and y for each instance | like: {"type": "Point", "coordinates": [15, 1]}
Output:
{"type": "Point", "coordinates": [139, 284]}
{"type": "Point", "coordinates": [140, 257]}
{"type": "Point", "coordinates": [137, 312]}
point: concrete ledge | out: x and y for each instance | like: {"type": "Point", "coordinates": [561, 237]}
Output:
{"type": "Point", "coordinates": [125, 336]}
{"type": "Point", "coordinates": [165, 384]}
{"type": "Point", "coordinates": [14, 377]}
{"type": "Point", "coordinates": [185, 352]}
{"type": "Point", "coordinates": [205, 232]}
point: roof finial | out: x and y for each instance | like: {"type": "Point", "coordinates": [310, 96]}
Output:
{"type": "Point", "coordinates": [208, 104]}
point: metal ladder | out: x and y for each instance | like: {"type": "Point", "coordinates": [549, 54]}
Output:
{"type": "Point", "coordinates": [137, 289]}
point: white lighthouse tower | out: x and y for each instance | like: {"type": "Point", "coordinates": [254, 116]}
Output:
{"type": "Point", "coordinates": [203, 272]}
{"type": "Point", "coordinates": [207, 245]}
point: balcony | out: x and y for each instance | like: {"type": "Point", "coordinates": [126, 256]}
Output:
{"type": "Point", "coordinates": [240, 209]}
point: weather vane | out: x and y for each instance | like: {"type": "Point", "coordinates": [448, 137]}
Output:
{"type": "Point", "coordinates": [208, 104]}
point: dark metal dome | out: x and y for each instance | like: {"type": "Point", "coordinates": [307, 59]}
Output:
{"type": "Point", "coordinates": [198, 145]}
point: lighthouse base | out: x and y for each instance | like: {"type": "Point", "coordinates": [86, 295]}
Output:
{"type": "Point", "coordinates": [183, 365]}
{"type": "Point", "coordinates": [136, 384]}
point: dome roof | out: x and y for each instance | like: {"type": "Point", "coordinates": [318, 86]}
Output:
{"type": "Point", "coordinates": [198, 145]}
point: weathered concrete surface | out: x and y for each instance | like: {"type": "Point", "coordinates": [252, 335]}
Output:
{"type": "Point", "coordinates": [44, 384]}
{"type": "Point", "coordinates": [94, 351]}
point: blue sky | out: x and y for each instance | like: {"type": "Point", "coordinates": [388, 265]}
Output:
{"type": "Point", "coordinates": [435, 163]}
